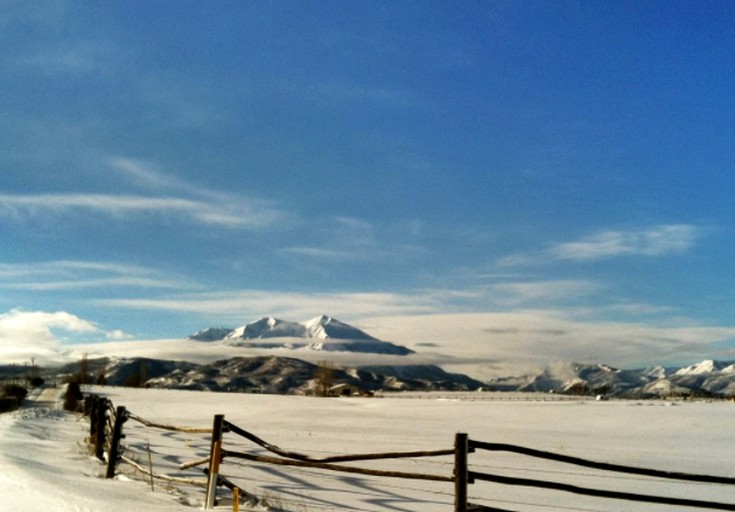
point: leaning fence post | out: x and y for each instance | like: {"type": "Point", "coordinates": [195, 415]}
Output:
{"type": "Point", "coordinates": [215, 454]}
{"type": "Point", "coordinates": [460, 472]}
{"type": "Point", "coordinates": [92, 417]}
{"type": "Point", "coordinates": [100, 420]}
{"type": "Point", "coordinates": [120, 417]}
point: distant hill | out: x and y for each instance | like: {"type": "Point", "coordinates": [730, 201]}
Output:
{"type": "Point", "coordinates": [708, 378]}
{"type": "Point", "coordinates": [270, 374]}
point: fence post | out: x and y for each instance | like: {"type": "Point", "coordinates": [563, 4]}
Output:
{"type": "Point", "coordinates": [100, 420]}
{"type": "Point", "coordinates": [92, 417]}
{"type": "Point", "coordinates": [215, 454]}
{"type": "Point", "coordinates": [460, 472]}
{"type": "Point", "coordinates": [120, 417]}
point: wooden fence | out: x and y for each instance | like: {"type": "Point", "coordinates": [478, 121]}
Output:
{"type": "Point", "coordinates": [468, 476]}
{"type": "Point", "coordinates": [106, 432]}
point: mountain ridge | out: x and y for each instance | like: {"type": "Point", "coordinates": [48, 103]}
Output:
{"type": "Point", "coordinates": [706, 378]}
{"type": "Point", "coordinates": [278, 374]}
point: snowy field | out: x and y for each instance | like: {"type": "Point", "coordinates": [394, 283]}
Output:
{"type": "Point", "coordinates": [46, 466]}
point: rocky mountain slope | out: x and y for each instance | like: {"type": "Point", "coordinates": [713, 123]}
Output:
{"type": "Point", "coordinates": [269, 374]}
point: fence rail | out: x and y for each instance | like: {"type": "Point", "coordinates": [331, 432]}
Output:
{"type": "Point", "coordinates": [632, 470]}
{"type": "Point", "coordinates": [106, 433]}
{"type": "Point", "coordinates": [473, 476]}
{"type": "Point", "coordinates": [230, 427]}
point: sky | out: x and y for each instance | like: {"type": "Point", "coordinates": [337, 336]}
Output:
{"type": "Point", "coordinates": [538, 180]}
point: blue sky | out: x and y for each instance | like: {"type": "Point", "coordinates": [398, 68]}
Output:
{"type": "Point", "coordinates": [166, 167]}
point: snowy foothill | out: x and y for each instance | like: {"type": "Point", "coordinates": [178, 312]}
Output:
{"type": "Point", "coordinates": [47, 466]}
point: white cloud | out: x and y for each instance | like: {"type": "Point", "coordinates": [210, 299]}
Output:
{"type": "Point", "coordinates": [145, 174]}
{"type": "Point", "coordinates": [117, 335]}
{"type": "Point", "coordinates": [659, 240]}
{"type": "Point", "coordinates": [532, 338]}
{"type": "Point", "coordinates": [38, 334]}
{"type": "Point", "coordinates": [656, 241]}
{"type": "Point", "coordinates": [230, 215]}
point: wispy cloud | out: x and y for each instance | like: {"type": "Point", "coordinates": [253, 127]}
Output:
{"type": "Point", "coordinates": [146, 174]}
{"type": "Point", "coordinates": [245, 305]}
{"type": "Point", "coordinates": [69, 275]}
{"type": "Point", "coordinates": [348, 239]}
{"type": "Point", "coordinates": [361, 92]}
{"type": "Point", "coordinates": [220, 207]}
{"type": "Point", "coordinates": [78, 59]}
{"type": "Point", "coordinates": [242, 305]}
{"type": "Point", "coordinates": [551, 291]}
{"type": "Point", "coordinates": [176, 199]}
{"type": "Point", "coordinates": [202, 212]}
{"type": "Point", "coordinates": [655, 241]}
{"type": "Point", "coordinates": [44, 13]}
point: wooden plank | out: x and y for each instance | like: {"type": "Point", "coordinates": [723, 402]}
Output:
{"type": "Point", "coordinates": [604, 466]}
{"type": "Point", "coordinates": [172, 428]}
{"type": "Point", "coordinates": [337, 458]}
{"type": "Point", "coordinates": [334, 467]}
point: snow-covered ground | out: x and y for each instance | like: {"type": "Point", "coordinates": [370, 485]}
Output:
{"type": "Point", "coordinates": [46, 466]}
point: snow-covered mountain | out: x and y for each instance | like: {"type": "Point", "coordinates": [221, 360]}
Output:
{"type": "Point", "coordinates": [210, 334]}
{"type": "Point", "coordinates": [325, 327]}
{"type": "Point", "coordinates": [267, 327]}
{"type": "Point", "coordinates": [707, 378]}
{"type": "Point", "coordinates": [320, 333]}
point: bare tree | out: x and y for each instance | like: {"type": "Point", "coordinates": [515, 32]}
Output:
{"type": "Point", "coordinates": [84, 376]}
{"type": "Point", "coordinates": [324, 378]}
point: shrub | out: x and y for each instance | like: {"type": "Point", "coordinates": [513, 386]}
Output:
{"type": "Point", "coordinates": [73, 396]}
{"type": "Point", "coordinates": [14, 390]}
{"type": "Point", "coordinates": [8, 403]}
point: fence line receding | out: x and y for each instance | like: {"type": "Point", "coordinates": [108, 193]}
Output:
{"type": "Point", "coordinates": [106, 435]}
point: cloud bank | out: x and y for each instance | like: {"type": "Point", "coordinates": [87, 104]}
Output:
{"type": "Point", "coordinates": [38, 334]}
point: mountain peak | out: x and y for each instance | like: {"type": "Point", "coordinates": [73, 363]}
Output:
{"type": "Point", "coordinates": [267, 327]}
{"type": "Point", "coordinates": [703, 367]}
{"type": "Point", "coordinates": [210, 334]}
{"type": "Point", "coordinates": [325, 327]}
